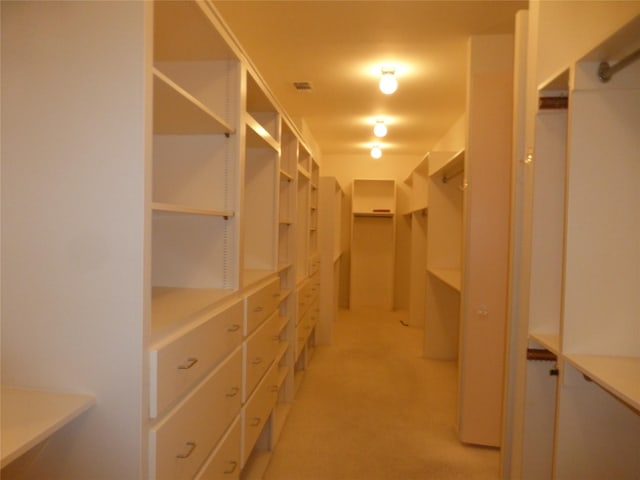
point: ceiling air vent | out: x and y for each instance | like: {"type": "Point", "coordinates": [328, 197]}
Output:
{"type": "Point", "coordinates": [302, 86]}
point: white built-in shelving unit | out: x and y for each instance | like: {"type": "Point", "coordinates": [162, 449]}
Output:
{"type": "Point", "coordinates": [170, 278]}
{"type": "Point", "coordinates": [583, 421]}
{"type": "Point", "coordinates": [444, 254]}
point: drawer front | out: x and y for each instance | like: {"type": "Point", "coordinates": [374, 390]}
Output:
{"type": "Point", "coordinates": [259, 351]}
{"type": "Point", "coordinates": [224, 462]}
{"type": "Point", "coordinates": [185, 437]}
{"type": "Point", "coordinates": [260, 304]}
{"type": "Point", "coordinates": [257, 410]}
{"type": "Point", "coordinates": [178, 365]}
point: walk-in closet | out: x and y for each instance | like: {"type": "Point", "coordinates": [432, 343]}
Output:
{"type": "Point", "coordinates": [313, 240]}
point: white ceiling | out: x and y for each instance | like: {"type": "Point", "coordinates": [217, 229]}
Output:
{"type": "Point", "coordinates": [337, 46]}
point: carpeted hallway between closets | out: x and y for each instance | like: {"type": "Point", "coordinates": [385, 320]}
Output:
{"type": "Point", "coordinates": [370, 407]}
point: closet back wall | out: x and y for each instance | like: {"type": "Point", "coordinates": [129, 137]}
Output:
{"type": "Point", "coordinates": [347, 168]}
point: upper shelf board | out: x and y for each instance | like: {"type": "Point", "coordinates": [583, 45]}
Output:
{"type": "Point", "coordinates": [175, 111]}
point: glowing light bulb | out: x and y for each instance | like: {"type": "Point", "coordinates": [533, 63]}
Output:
{"type": "Point", "coordinates": [380, 129]}
{"type": "Point", "coordinates": [388, 82]}
{"type": "Point", "coordinates": [376, 152]}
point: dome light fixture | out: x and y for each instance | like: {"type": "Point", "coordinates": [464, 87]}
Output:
{"type": "Point", "coordinates": [380, 128]}
{"type": "Point", "coordinates": [388, 82]}
{"type": "Point", "coordinates": [376, 152]}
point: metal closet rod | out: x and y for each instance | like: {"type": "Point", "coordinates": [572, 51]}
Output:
{"type": "Point", "coordinates": [541, 354]}
{"type": "Point", "coordinates": [448, 176]}
{"type": "Point", "coordinates": [606, 71]}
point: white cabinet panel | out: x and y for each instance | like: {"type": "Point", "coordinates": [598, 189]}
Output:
{"type": "Point", "coordinates": [178, 364]}
{"type": "Point", "coordinates": [184, 438]}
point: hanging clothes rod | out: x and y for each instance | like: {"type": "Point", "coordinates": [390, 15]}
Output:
{"type": "Point", "coordinates": [606, 71]}
{"type": "Point", "coordinates": [540, 354]}
{"type": "Point", "coordinates": [448, 176]}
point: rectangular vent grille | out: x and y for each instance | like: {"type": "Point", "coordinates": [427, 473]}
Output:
{"type": "Point", "coordinates": [302, 86]}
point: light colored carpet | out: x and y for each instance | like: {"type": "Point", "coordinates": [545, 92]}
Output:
{"type": "Point", "coordinates": [371, 407]}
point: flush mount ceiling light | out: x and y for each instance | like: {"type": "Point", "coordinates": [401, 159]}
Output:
{"type": "Point", "coordinates": [376, 152]}
{"type": "Point", "coordinates": [380, 128]}
{"type": "Point", "coordinates": [388, 82]}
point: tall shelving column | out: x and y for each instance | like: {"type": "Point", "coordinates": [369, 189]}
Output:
{"type": "Point", "coordinates": [286, 271]}
{"type": "Point", "coordinates": [547, 250]}
{"type": "Point", "coordinates": [584, 422]}
{"type": "Point", "coordinates": [260, 184]}
{"type": "Point", "coordinates": [302, 266]}
{"type": "Point", "coordinates": [418, 202]}
{"type": "Point", "coordinates": [195, 226]}
{"type": "Point", "coordinates": [598, 435]}
{"type": "Point", "coordinates": [331, 201]}
{"type": "Point", "coordinates": [196, 241]}
{"type": "Point", "coordinates": [373, 222]}
{"type": "Point", "coordinates": [483, 315]}
{"type": "Point", "coordinates": [444, 254]}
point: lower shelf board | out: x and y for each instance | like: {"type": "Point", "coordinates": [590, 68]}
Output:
{"type": "Point", "coordinates": [549, 341]}
{"type": "Point", "coordinates": [449, 276]}
{"type": "Point", "coordinates": [618, 375]}
{"type": "Point", "coordinates": [30, 416]}
{"type": "Point", "coordinates": [170, 306]}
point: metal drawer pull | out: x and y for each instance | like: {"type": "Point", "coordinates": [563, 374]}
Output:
{"type": "Point", "coordinates": [192, 447]}
{"type": "Point", "coordinates": [191, 361]}
{"type": "Point", "coordinates": [259, 308]}
{"type": "Point", "coordinates": [234, 391]}
{"type": "Point", "coordinates": [273, 388]}
{"type": "Point", "coordinates": [233, 328]}
{"type": "Point", "coordinates": [257, 361]}
{"type": "Point", "coordinates": [232, 468]}
{"type": "Point", "coordinates": [255, 421]}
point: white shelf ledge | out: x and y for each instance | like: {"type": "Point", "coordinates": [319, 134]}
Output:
{"type": "Point", "coordinates": [30, 416]}
{"type": "Point", "coordinates": [550, 341]}
{"type": "Point", "coordinates": [172, 306]}
{"type": "Point", "coordinates": [258, 136]}
{"type": "Point", "coordinates": [618, 375]}
{"type": "Point", "coordinates": [169, 208]}
{"type": "Point", "coordinates": [374, 214]}
{"type": "Point", "coordinates": [176, 111]}
{"type": "Point", "coordinates": [449, 276]}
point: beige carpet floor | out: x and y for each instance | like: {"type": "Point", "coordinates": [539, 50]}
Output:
{"type": "Point", "coordinates": [370, 407]}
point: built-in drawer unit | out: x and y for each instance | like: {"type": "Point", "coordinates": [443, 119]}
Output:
{"type": "Point", "coordinates": [260, 350]}
{"type": "Point", "coordinates": [184, 438]}
{"type": "Point", "coordinates": [257, 410]}
{"type": "Point", "coordinates": [303, 329]}
{"type": "Point", "coordinates": [314, 283]}
{"type": "Point", "coordinates": [304, 298]}
{"type": "Point", "coordinates": [260, 304]}
{"type": "Point", "coordinates": [177, 363]}
{"type": "Point", "coordinates": [224, 462]}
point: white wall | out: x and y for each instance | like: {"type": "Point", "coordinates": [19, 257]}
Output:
{"type": "Point", "coordinates": [455, 138]}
